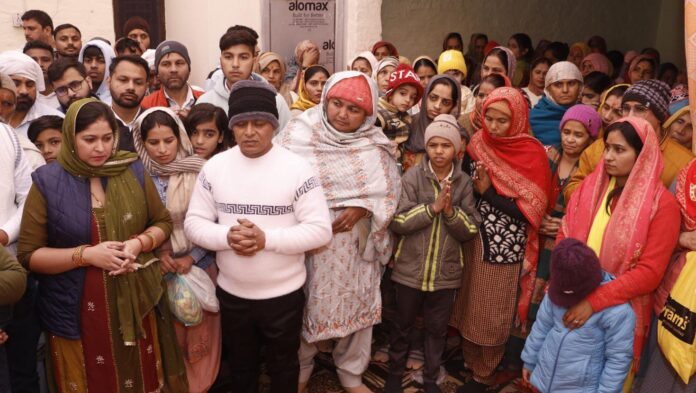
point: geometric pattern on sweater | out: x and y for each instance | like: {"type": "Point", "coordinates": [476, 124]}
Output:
{"type": "Point", "coordinates": [258, 210]}
{"type": "Point", "coordinates": [307, 186]}
{"type": "Point", "coordinates": [504, 237]}
{"type": "Point", "coordinates": [204, 182]}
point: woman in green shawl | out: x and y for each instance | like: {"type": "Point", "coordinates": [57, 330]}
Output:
{"type": "Point", "coordinates": [90, 224]}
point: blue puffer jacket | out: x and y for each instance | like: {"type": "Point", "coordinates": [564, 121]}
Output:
{"type": "Point", "coordinates": [593, 358]}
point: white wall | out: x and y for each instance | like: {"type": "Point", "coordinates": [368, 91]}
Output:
{"type": "Point", "coordinates": [200, 24]}
{"type": "Point", "coordinates": [418, 27]}
{"type": "Point", "coordinates": [363, 26]}
{"type": "Point", "coordinates": [93, 17]}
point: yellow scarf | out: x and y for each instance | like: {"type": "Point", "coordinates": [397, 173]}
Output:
{"type": "Point", "coordinates": [599, 224]}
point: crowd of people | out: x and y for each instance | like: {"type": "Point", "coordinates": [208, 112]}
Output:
{"type": "Point", "coordinates": [537, 202]}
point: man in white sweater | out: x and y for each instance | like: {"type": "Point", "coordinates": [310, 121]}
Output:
{"type": "Point", "coordinates": [261, 208]}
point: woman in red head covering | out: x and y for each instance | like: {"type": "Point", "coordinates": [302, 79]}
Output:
{"type": "Point", "coordinates": [512, 180]}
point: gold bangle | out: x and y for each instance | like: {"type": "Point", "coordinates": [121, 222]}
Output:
{"type": "Point", "coordinates": [77, 256]}
{"type": "Point", "coordinates": [153, 238]}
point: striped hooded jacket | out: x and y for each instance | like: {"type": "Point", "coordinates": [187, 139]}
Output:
{"type": "Point", "coordinates": [429, 255]}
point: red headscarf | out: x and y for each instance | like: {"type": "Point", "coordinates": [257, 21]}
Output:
{"type": "Point", "coordinates": [519, 169]}
{"type": "Point", "coordinates": [686, 195]}
{"type": "Point", "coordinates": [627, 231]}
{"type": "Point", "coordinates": [392, 49]}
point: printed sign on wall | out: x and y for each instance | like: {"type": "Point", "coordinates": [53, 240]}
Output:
{"type": "Point", "coordinates": [289, 22]}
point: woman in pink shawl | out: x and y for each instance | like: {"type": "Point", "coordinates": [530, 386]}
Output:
{"type": "Point", "coordinates": [624, 213]}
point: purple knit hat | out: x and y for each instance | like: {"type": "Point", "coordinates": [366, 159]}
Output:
{"type": "Point", "coordinates": [575, 273]}
{"type": "Point", "coordinates": [586, 115]}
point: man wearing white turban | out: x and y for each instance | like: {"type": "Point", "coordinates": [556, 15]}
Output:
{"type": "Point", "coordinates": [28, 79]}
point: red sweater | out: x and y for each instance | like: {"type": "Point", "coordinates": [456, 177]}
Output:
{"type": "Point", "coordinates": [159, 99]}
{"type": "Point", "coordinates": [644, 277]}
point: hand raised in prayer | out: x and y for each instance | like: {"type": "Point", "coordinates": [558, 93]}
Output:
{"type": "Point", "coordinates": [347, 219]}
{"type": "Point", "coordinates": [442, 200]}
{"type": "Point", "coordinates": [577, 315]}
{"type": "Point", "coordinates": [246, 239]}
{"type": "Point", "coordinates": [110, 256]}
{"type": "Point", "coordinates": [482, 182]}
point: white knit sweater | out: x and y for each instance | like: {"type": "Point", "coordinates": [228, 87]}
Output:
{"type": "Point", "coordinates": [280, 193]}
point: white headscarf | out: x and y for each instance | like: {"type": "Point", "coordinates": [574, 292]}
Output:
{"type": "Point", "coordinates": [338, 157]}
{"type": "Point", "coordinates": [103, 92]}
{"type": "Point", "coordinates": [387, 61]}
{"type": "Point", "coordinates": [563, 70]}
{"type": "Point", "coordinates": [19, 64]}
{"type": "Point", "coordinates": [367, 55]}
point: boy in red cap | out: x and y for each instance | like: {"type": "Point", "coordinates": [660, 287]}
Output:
{"type": "Point", "coordinates": [403, 93]}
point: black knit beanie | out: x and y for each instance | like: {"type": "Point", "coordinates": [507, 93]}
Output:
{"type": "Point", "coordinates": [654, 94]}
{"type": "Point", "coordinates": [252, 100]}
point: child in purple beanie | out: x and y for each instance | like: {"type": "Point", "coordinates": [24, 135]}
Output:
{"type": "Point", "coordinates": [593, 358]}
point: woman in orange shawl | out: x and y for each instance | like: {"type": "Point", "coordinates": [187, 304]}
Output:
{"type": "Point", "coordinates": [513, 180]}
{"type": "Point", "coordinates": [623, 211]}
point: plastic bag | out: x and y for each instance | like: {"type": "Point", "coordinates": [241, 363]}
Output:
{"type": "Point", "coordinates": [676, 327]}
{"type": "Point", "coordinates": [182, 301]}
{"type": "Point", "coordinates": [203, 288]}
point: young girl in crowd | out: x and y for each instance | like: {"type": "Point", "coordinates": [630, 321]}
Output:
{"type": "Point", "coordinates": [167, 154]}
{"type": "Point", "coordinates": [537, 77]}
{"type": "Point", "coordinates": [311, 85]}
{"type": "Point", "coordinates": [440, 97]}
{"type": "Point", "coordinates": [437, 209]}
{"type": "Point", "coordinates": [595, 357]}
{"type": "Point", "coordinates": [579, 128]}
{"type": "Point", "coordinates": [403, 91]}
{"type": "Point", "coordinates": [426, 69]}
{"type": "Point", "coordinates": [45, 133]}
{"type": "Point", "coordinates": [206, 127]}
{"type": "Point", "coordinates": [452, 63]}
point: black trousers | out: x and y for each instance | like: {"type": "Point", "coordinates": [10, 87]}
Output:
{"type": "Point", "coordinates": [275, 323]}
{"type": "Point", "coordinates": [436, 308]}
{"type": "Point", "coordinates": [24, 330]}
